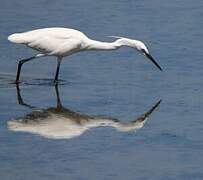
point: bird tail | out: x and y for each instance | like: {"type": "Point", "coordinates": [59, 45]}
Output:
{"type": "Point", "coordinates": [16, 38]}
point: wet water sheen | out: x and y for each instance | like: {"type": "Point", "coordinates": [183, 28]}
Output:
{"type": "Point", "coordinates": [105, 119]}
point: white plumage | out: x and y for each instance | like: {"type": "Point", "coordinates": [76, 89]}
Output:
{"type": "Point", "coordinates": [61, 42]}
{"type": "Point", "coordinates": [51, 41]}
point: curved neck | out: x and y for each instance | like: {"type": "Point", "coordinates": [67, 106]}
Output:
{"type": "Point", "coordinates": [98, 45]}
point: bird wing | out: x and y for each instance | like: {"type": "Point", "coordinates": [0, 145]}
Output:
{"type": "Point", "coordinates": [53, 41]}
{"type": "Point", "coordinates": [67, 47]}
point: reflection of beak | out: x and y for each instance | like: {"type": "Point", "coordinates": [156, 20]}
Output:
{"type": "Point", "coordinates": [152, 59]}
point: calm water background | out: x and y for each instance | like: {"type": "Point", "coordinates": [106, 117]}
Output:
{"type": "Point", "coordinates": [120, 84]}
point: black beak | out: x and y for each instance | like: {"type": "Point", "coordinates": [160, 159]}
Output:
{"type": "Point", "coordinates": [152, 59]}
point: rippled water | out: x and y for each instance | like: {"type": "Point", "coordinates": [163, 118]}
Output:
{"type": "Point", "coordinates": [86, 127]}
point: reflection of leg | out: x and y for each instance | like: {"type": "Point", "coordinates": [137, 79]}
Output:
{"type": "Point", "coordinates": [57, 69]}
{"type": "Point", "coordinates": [19, 97]}
{"type": "Point", "coordinates": [59, 105]}
{"type": "Point", "coordinates": [20, 100]}
{"type": "Point", "coordinates": [21, 62]}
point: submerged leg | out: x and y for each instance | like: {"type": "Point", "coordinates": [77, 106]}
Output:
{"type": "Point", "coordinates": [57, 69]}
{"type": "Point", "coordinates": [21, 62]}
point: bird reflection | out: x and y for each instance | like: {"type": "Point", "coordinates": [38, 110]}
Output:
{"type": "Point", "coordinates": [62, 123]}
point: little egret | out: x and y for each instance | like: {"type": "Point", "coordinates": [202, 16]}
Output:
{"type": "Point", "coordinates": [61, 42]}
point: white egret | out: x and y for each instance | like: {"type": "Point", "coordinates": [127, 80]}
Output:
{"type": "Point", "coordinates": [61, 42]}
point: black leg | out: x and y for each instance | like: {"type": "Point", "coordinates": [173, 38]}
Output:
{"type": "Point", "coordinates": [21, 62]}
{"type": "Point", "coordinates": [57, 69]}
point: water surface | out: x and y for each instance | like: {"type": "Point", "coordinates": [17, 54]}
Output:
{"type": "Point", "coordinates": [116, 85]}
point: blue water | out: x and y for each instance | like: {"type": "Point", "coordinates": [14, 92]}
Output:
{"type": "Point", "coordinates": [118, 84]}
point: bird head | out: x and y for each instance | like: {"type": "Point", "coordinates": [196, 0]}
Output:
{"type": "Point", "coordinates": [139, 46]}
{"type": "Point", "coordinates": [142, 48]}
